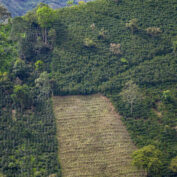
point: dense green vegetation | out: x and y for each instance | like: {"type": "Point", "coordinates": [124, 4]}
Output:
{"type": "Point", "coordinates": [113, 47]}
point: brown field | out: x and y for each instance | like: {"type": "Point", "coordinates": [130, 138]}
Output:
{"type": "Point", "coordinates": [92, 139]}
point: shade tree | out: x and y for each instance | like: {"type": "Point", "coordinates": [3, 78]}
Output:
{"type": "Point", "coordinates": [148, 158]}
{"type": "Point", "coordinates": [45, 17]}
{"type": "Point", "coordinates": [131, 94]}
{"type": "Point", "coordinates": [173, 164]}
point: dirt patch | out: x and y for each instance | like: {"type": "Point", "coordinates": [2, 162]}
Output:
{"type": "Point", "coordinates": [93, 141]}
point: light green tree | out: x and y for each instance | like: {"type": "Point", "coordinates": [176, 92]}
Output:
{"type": "Point", "coordinates": [39, 65]}
{"type": "Point", "coordinates": [173, 164]}
{"type": "Point", "coordinates": [88, 42]}
{"type": "Point", "coordinates": [174, 43]}
{"type": "Point", "coordinates": [70, 2]}
{"type": "Point", "coordinates": [45, 17]}
{"type": "Point", "coordinates": [20, 96]}
{"type": "Point", "coordinates": [149, 159]}
{"type": "Point", "coordinates": [43, 86]}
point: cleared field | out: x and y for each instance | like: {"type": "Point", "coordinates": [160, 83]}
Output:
{"type": "Point", "coordinates": [93, 142]}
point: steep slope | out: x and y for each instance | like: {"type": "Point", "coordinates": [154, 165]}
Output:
{"type": "Point", "coordinates": [100, 46]}
{"type": "Point", "coordinates": [92, 139]}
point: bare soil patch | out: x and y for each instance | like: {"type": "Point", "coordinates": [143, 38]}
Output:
{"type": "Point", "coordinates": [93, 142]}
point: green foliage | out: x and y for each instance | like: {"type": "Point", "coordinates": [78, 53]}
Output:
{"type": "Point", "coordinates": [123, 60]}
{"type": "Point", "coordinates": [148, 158]}
{"type": "Point", "coordinates": [39, 65]}
{"type": "Point", "coordinates": [21, 96]}
{"type": "Point", "coordinates": [89, 43]}
{"type": "Point", "coordinates": [3, 76]}
{"type": "Point", "coordinates": [45, 16]}
{"type": "Point", "coordinates": [43, 86]}
{"type": "Point", "coordinates": [8, 52]}
{"type": "Point", "coordinates": [81, 2]}
{"type": "Point", "coordinates": [173, 164]}
{"type": "Point", "coordinates": [20, 69]}
{"type": "Point", "coordinates": [174, 42]}
{"type": "Point", "coordinates": [70, 2]}
{"type": "Point", "coordinates": [80, 60]}
{"type": "Point", "coordinates": [132, 24]}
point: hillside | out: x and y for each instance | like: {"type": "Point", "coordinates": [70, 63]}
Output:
{"type": "Point", "coordinates": [20, 7]}
{"type": "Point", "coordinates": [125, 50]}
{"type": "Point", "coordinates": [93, 141]}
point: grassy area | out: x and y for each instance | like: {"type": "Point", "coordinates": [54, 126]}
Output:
{"type": "Point", "coordinates": [92, 138]}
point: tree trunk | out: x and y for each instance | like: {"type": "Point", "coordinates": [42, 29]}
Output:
{"type": "Point", "coordinates": [131, 107]}
{"type": "Point", "coordinates": [45, 36]}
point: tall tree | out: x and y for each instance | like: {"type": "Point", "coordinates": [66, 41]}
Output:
{"type": "Point", "coordinates": [131, 94]}
{"type": "Point", "coordinates": [46, 17]}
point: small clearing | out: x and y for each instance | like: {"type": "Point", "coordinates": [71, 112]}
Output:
{"type": "Point", "coordinates": [93, 142]}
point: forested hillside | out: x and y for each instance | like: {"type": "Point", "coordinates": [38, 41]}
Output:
{"type": "Point", "coordinates": [20, 7]}
{"type": "Point", "coordinates": [126, 50]}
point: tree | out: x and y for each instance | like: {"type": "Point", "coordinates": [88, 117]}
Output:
{"type": "Point", "coordinates": [102, 34]}
{"type": "Point", "coordinates": [173, 164]}
{"type": "Point", "coordinates": [131, 94]}
{"type": "Point", "coordinates": [81, 3]}
{"type": "Point", "coordinates": [115, 48]}
{"type": "Point", "coordinates": [39, 65]}
{"type": "Point", "coordinates": [174, 43]}
{"type": "Point", "coordinates": [132, 24]}
{"type": "Point", "coordinates": [153, 31]}
{"type": "Point", "coordinates": [45, 17]}
{"type": "Point", "coordinates": [89, 43]}
{"type": "Point", "coordinates": [149, 159]}
{"type": "Point", "coordinates": [43, 86]}
{"type": "Point", "coordinates": [20, 69]}
{"type": "Point", "coordinates": [70, 2]}
{"type": "Point", "coordinates": [52, 37]}
{"type": "Point", "coordinates": [4, 13]}
{"type": "Point", "coordinates": [21, 95]}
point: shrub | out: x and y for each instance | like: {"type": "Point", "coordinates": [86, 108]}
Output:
{"type": "Point", "coordinates": [115, 48]}
{"type": "Point", "coordinates": [102, 34]}
{"type": "Point", "coordinates": [89, 43]}
{"type": "Point", "coordinates": [81, 3]}
{"type": "Point", "coordinates": [70, 2]}
{"type": "Point", "coordinates": [124, 60]}
{"type": "Point", "coordinates": [132, 24]}
{"type": "Point", "coordinates": [39, 65]}
{"type": "Point", "coordinates": [92, 26]}
{"type": "Point", "coordinates": [173, 164]}
{"type": "Point", "coordinates": [174, 43]}
{"type": "Point", "coordinates": [153, 31]}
